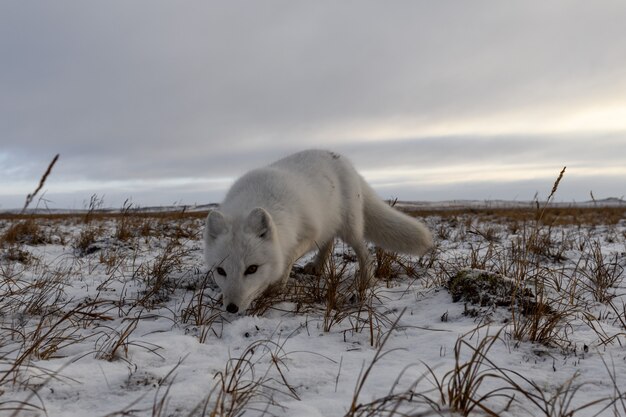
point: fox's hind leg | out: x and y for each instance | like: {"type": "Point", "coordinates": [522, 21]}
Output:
{"type": "Point", "coordinates": [363, 279]}
{"type": "Point", "coordinates": [353, 234]}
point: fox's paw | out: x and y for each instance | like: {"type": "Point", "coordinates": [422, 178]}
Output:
{"type": "Point", "coordinates": [312, 268]}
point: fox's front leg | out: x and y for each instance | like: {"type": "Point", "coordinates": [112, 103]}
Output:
{"type": "Point", "coordinates": [316, 267]}
{"type": "Point", "coordinates": [301, 248]}
{"type": "Point", "coordinates": [285, 276]}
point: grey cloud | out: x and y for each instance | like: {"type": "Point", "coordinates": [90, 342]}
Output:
{"type": "Point", "coordinates": [570, 190]}
{"type": "Point", "coordinates": [155, 89]}
{"type": "Point", "coordinates": [512, 150]}
{"type": "Point", "coordinates": [431, 152]}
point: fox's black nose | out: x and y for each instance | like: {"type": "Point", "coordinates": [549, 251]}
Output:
{"type": "Point", "coordinates": [232, 308]}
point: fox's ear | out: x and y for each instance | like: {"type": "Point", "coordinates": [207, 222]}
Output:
{"type": "Point", "coordinates": [259, 222]}
{"type": "Point", "coordinates": [215, 225]}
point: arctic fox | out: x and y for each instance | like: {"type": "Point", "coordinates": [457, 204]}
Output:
{"type": "Point", "coordinates": [272, 216]}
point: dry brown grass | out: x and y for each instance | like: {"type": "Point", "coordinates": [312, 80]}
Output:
{"type": "Point", "coordinates": [556, 216]}
{"type": "Point", "coordinates": [42, 181]}
{"type": "Point", "coordinates": [25, 231]}
{"type": "Point", "coordinates": [204, 311]}
{"type": "Point", "coordinates": [513, 217]}
{"type": "Point", "coordinates": [461, 388]}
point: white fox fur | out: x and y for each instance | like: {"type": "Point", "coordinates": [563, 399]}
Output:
{"type": "Point", "coordinates": [272, 216]}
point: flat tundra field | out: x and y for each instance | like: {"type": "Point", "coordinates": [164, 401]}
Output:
{"type": "Point", "coordinates": [517, 311]}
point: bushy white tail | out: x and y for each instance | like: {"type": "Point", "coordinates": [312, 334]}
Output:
{"type": "Point", "coordinates": [392, 230]}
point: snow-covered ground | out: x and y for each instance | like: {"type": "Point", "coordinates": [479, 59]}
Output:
{"type": "Point", "coordinates": [119, 316]}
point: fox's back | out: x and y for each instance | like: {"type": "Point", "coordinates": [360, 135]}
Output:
{"type": "Point", "coordinates": [316, 174]}
{"type": "Point", "coordinates": [313, 187]}
{"type": "Point", "coordinates": [322, 175]}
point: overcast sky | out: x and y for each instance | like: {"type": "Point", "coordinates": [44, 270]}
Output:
{"type": "Point", "coordinates": [166, 102]}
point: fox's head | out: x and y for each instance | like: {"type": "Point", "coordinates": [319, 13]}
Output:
{"type": "Point", "coordinates": [244, 254]}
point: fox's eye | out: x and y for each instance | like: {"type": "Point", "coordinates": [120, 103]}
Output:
{"type": "Point", "coordinates": [251, 269]}
{"type": "Point", "coordinates": [221, 271]}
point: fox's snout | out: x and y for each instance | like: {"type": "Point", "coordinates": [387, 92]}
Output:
{"type": "Point", "coordinates": [245, 255]}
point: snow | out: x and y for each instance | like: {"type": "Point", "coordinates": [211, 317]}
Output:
{"type": "Point", "coordinates": [302, 370]}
